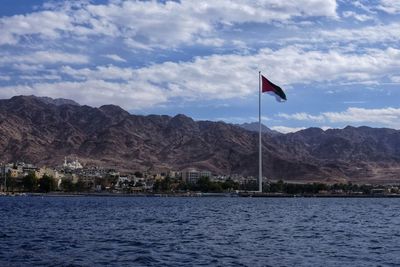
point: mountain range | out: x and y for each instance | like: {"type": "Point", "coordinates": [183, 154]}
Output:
{"type": "Point", "coordinates": [44, 130]}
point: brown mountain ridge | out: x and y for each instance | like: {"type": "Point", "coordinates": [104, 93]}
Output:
{"type": "Point", "coordinates": [44, 131]}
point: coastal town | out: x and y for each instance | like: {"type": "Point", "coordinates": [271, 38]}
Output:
{"type": "Point", "coordinates": [72, 177]}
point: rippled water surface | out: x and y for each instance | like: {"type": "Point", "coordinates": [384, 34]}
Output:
{"type": "Point", "coordinates": [113, 231]}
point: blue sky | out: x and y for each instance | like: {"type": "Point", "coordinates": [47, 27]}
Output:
{"type": "Point", "coordinates": [337, 60]}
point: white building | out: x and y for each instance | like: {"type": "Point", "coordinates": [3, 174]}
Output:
{"type": "Point", "coordinates": [192, 175]}
{"type": "Point", "coordinates": [73, 165]}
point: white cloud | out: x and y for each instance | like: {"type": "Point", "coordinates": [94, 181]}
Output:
{"type": "Point", "coordinates": [149, 24]}
{"type": "Point", "coordinates": [286, 129]}
{"type": "Point", "coordinates": [363, 6]}
{"type": "Point", "coordinates": [353, 37]}
{"type": "Point", "coordinates": [395, 79]}
{"type": "Point", "coordinates": [390, 6]}
{"type": "Point", "coordinates": [380, 33]}
{"type": "Point", "coordinates": [217, 42]}
{"type": "Point", "coordinates": [386, 116]}
{"type": "Point", "coordinates": [24, 68]}
{"type": "Point", "coordinates": [109, 72]}
{"type": "Point", "coordinates": [389, 117]}
{"type": "Point", "coordinates": [241, 120]}
{"type": "Point", "coordinates": [349, 40]}
{"type": "Point", "coordinates": [301, 117]}
{"type": "Point", "coordinates": [115, 57]}
{"type": "Point", "coordinates": [5, 78]}
{"type": "Point", "coordinates": [357, 16]}
{"type": "Point", "coordinates": [46, 24]}
{"type": "Point", "coordinates": [294, 65]}
{"type": "Point", "coordinates": [236, 76]}
{"type": "Point", "coordinates": [39, 77]}
{"type": "Point", "coordinates": [43, 57]}
{"type": "Point", "coordinates": [94, 92]}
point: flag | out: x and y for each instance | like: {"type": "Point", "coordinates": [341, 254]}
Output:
{"type": "Point", "coordinates": [275, 90]}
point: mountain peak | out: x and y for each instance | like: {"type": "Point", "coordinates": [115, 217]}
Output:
{"type": "Point", "coordinates": [23, 98]}
{"type": "Point", "coordinates": [58, 101]}
{"type": "Point", "coordinates": [113, 109]}
{"type": "Point", "coordinates": [44, 99]}
{"type": "Point", "coordinates": [181, 119]}
{"type": "Point", "coordinates": [22, 101]}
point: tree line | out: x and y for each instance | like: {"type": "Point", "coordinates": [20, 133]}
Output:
{"type": "Point", "coordinates": [204, 184]}
{"type": "Point", "coordinates": [45, 184]}
{"type": "Point", "coordinates": [315, 188]}
{"type": "Point", "coordinates": [31, 183]}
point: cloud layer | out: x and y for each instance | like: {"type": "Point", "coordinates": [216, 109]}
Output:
{"type": "Point", "coordinates": [388, 117]}
{"type": "Point", "coordinates": [151, 24]}
{"type": "Point", "coordinates": [210, 77]}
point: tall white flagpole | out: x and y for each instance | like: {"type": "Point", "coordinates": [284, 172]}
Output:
{"type": "Point", "coordinates": [5, 180]}
{"type": "Point", "coordinates": [259, 135]}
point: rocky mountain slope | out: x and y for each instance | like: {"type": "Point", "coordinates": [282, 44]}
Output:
{"type": "Point", "coordinates": [253, 126]}
{"type": "Point", "coordinates": [43, 132]}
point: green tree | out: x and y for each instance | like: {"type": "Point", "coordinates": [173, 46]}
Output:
{"type": "Point", "coordinates": [294, 189]}
{"type": "Point", "coordinates": [280, 186]}
{"type": "Point", "coordinates": [204, 184]}
{"type": "Point", "coordinates": [47, 184]}
{"type": "Point", "coordinates": [138, 174]}
{"type": "Point", "coordinates": [229, 184]}
{"type": "Point", "coordinates": [11, 182]}
{"type": "Point", "coordinates": [162, 185]}
{"type": "Point", "coordinates": [182, 186]}
{"type": "Point", "coordinates": [30, 182]}
{"type": "Point", "coordinates": [166, 184]}
{"type": "Point", "coordinates": [80, 186]}
{"type": "Point", "coordinates": [67, 185]}
{"type": "Point", "coordinates": [250, 185]}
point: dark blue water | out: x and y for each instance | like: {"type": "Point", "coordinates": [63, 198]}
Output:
{"type": "Point", "coordinates": [108, 231]}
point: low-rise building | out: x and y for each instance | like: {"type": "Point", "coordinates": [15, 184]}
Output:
{"type": "Point", "coordinates": [175, 174]}
{"type": "Point", "coordinates": [14, 173]}
{"type": "Point", "coordinates": [192, 175]}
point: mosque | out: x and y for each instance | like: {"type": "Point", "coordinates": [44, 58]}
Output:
{"type": "Point", "coordinates": [72, 165]}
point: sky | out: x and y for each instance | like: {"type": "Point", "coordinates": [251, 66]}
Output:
{"type": "Point", "coordinates": [337, 60]}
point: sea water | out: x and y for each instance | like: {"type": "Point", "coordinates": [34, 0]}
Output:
{"type": "Point", "coordinates": [183, 231]}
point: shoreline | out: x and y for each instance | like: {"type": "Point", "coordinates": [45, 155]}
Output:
{"type": "Point", "coordinates": [197, 194]}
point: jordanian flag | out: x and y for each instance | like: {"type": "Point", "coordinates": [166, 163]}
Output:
{"type": "Point", "coordinates": [273, 89]}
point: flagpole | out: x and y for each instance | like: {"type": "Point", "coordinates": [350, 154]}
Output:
{"type": "Point", "coordinates": [259, 135]}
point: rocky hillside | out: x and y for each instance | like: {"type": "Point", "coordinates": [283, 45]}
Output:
{"type": "Point", "coordinates": [254, 127]}
{"type": "Point", "coordinates": [42, 131]}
